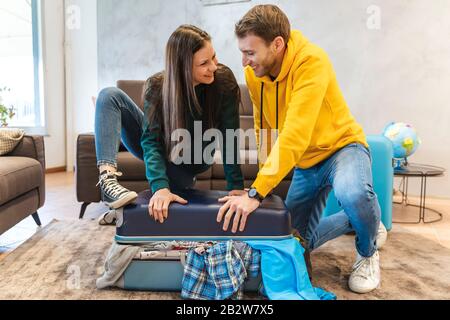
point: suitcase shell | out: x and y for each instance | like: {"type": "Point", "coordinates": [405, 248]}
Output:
{"type": "Point", "coordinates": [140, 276]}
{"type": "Point", "coordinates": [140, 273]}
{"type": "Point", "coordinates": [196, 221]}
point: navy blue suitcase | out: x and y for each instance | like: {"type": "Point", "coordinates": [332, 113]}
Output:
{"type": "Point", "coordinates": [195, 221]}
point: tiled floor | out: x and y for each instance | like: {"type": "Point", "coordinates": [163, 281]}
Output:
{"type": "Point", "coordinates": [61, 204]}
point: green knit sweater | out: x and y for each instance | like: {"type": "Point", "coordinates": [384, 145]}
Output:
{"type": "Point", "coordinates": [227, 114]}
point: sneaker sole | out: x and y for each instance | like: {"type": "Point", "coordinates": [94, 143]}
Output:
{"type": "Point", "coordinates": [364, 290]}
{"type": "Point", "coordinates": [122, 202]}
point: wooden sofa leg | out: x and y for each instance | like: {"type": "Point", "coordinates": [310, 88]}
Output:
{"type": "Point", "coordinates": [36, 219]}
{"type": "Point", "coordinates": [83, 209]}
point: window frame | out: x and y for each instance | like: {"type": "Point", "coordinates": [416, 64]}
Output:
{"type": "Point", "coordinates": [40, 125]}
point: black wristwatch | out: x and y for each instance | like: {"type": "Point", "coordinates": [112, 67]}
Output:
{"type": "Point", "coordinates": [253, 194]}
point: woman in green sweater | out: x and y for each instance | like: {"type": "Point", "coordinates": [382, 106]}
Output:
{"type": "Point", "coordinates": [192, 95]}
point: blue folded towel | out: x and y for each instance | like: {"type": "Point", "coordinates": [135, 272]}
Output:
{"type": "Point", "coordinates": [284, 272]}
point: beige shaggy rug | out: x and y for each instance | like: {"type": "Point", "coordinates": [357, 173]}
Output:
{"type": "Point", "coordinates": [63, 260]}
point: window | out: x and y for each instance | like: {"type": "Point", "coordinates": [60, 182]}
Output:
{"type": "Point", "coordinates": [20, 62]}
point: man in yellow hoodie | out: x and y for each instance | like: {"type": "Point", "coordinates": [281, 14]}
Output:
{"type": "Point", "coordinates": [294, 91]}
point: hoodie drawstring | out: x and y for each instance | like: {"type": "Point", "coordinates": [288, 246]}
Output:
{"type": "Point", "coordinates": [277, 107]}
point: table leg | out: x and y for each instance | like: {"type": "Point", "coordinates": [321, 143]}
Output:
{"type": "Point", "coordinates": [406, 193]}
{"type": "Point", "coordinates": [429, 209]}
{"type": "Point", "coordinates": [422, 205]}
{"type": "Point", "coordinates": [421, 201]}
{"type": "Point", "coordinates": [406, 204]}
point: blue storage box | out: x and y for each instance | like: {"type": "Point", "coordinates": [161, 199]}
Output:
{"type": "Point", "coordinates": [383, 179]}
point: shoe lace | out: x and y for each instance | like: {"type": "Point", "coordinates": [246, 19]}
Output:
{"type": "Point", "coordinates": [109, 183]}
{"type": "Point", "coordinates": [364, 268]}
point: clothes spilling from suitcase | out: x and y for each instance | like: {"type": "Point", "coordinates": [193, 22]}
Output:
{"type": "Point", "coordinates": [191, 254]}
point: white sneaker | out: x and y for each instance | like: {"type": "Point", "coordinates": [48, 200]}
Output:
{"type": "Point", "coordinates": [365, 276]}
{"type": "Point", "coordinates": [382, 236]}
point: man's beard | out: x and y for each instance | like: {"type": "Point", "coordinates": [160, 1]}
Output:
{"type": "Point", "coordinates": [266, 68]}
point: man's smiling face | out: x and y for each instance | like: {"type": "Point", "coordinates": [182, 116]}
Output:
{"type": "Point", "coordinates": [257, 54]}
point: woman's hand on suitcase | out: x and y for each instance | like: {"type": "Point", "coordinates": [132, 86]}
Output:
{"type": "Point", "coordinates": [158, 207]}
{"type": "Point", "coordinates": [239, 206]}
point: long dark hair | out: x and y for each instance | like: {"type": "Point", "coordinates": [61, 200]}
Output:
{"type": "Point", "coordinates": [170, 92]}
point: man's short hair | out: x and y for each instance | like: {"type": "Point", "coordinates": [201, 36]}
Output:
{"type": "Point", "coordinates": [266, 22]}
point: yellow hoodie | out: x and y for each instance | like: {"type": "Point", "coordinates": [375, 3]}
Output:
{"type": "Point", "coordinates": [313, 118]}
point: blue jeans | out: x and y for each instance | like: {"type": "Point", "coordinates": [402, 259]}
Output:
{"type": "Point", "coordinates": [349, 173]}
{"type": "Point", "coordinates": [118, 118]}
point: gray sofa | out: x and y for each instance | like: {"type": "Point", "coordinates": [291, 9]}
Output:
{"type": "Point", "coordinates": [22, 182]}
{"type": "Point", "coordinates": [134, 171]}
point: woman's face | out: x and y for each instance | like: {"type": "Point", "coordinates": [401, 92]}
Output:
{"type": "Point", "coordinates": [205, 64]}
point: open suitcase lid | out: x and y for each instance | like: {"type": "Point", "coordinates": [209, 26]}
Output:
{"type": "Point", "coordinates": [196, 221]}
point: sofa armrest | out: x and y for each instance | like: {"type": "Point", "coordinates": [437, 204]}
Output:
{"type": "Point", "coordinates": [33, 147]}
{"type": "Point", "coordinates": [86, 169]}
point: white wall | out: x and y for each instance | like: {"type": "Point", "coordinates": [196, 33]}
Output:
{"type": "Point", "coordinates": [133, 34]}
{"type": "Point", "coordinates": [53, 76]}
{"type": "Point", "coordinates": [81, 70]}
{"type": "Point", "coordinates": [400, 72]}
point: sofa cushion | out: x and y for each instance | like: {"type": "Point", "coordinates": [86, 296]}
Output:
{"type": "Point", "coordinates": [132, 168]}
{"type": "Point", "coordinates": [18, 176]}
{"type": "Point", "coordinates": [246, 108]}
{"type": "Point", "coordinates": [134, 89]}
{"type": "Point", "coordinates": [248, 140]}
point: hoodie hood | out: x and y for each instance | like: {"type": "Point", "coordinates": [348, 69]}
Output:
{"type": "Point", "coordinates": [295, 45]}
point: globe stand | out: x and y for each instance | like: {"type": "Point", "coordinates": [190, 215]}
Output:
{"type": "Point", "coordinates": [400, 163]}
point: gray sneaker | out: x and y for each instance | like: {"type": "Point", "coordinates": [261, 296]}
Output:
{"type": "Point", "coordinates": [108, 218]}
{"type": "Point", "coordinates": [113, 194]}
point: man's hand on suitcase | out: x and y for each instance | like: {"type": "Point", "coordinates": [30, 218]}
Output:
{"type": "Point", "coordinates": [238, 192]}
{"type": "Point", "coordinates": [158, 207]}
{"type": "Point", "coordinates": [239, 206]}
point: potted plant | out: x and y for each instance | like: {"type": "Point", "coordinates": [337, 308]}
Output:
{"type": "Point", "coordinates": [5, 112]}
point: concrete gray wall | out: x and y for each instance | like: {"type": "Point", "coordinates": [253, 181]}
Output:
{"type": "Point", "coordinates": [132, 36]}
{"type": "Point", "coordinates": [399, 72]}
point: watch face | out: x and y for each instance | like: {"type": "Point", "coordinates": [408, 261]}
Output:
{"type": "Point", "coordinates": [252, 193]}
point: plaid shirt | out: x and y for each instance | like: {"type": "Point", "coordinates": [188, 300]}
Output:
{"type": "Point", "coordinates": [220, 272]}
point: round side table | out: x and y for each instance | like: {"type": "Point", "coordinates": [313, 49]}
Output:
{"type": "Point", "coordinates": [423, 172]}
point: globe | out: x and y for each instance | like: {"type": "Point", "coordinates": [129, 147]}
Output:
{"type": "Point", "coordinates": [404, 139]}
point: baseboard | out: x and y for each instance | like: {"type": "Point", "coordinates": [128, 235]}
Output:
{"type": "Point", "coordinates": [55, 170]}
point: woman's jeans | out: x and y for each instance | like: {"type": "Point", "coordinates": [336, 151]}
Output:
{"type": "Point", "coordinates": [349, 173]}
{"type": "Point", "coordinates": [118, 118]}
